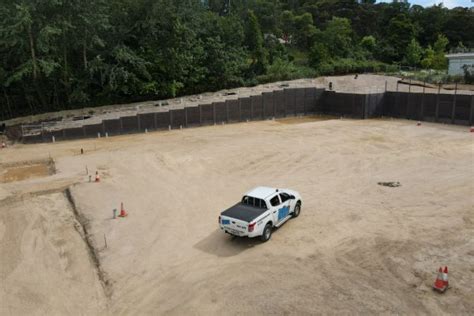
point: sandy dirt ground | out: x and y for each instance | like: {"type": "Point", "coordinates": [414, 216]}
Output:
{"type": "Point", "coordinates": [356, 248]}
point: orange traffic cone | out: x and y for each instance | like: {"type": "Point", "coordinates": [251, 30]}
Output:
{"type": "Point", "coordinates": [97, 177]}
{"type": "Point", "coordinates": [441, 282]}
{"type": "Point", "coordinates": [122, 211]}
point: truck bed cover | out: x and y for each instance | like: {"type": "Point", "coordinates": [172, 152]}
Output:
{"type": "Point", "coordinates": [244, 212]}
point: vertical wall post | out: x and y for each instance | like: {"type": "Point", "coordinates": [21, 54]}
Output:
{"type": "Point", "coordinates": [240, 110]}
{"type": "Point", "coordinates": [422, 107]}
{"type": "Point", "coordinates": [226, 111]}
{"type": "Point", "coordinates": [214, 112]}
{"type": "Point", "coordinates": [155, 124]}
{"type": "Point", "coordinates": [121, 125]}
{"type": "Point", "coordinates": [353, 110]}
{"type": "Point", "coordinates": [294, 103]}
{"type": "Point", "coordinates": [186, 116]}
{"type": "Point", "coordinates": [304, 101]}
{"type": "Point", "coordinates": [103, 127]}
{"type": "Point", "coordinates": [170, 123]}
{"type": "Point", "coordinates": [437, 103]}
{"type": "Point", "coordinates": [453, 112]}
{"type": "Point", "coordinates": [200, 114]}
{"type": "Point", "coordinates": [471, 112]}
{"type": "Point", "coordinates": [251, 109]}
{"type": "Point", "coordinates": [407, 107]}
{"type": "Point", "coordinates": [398, 99]}
{"type": "Point", "coordinates": [274, 104]}
{"type": "Point", "coordinates": [364, 108]}
{"type": "Point", "coordinates": [138, 122]}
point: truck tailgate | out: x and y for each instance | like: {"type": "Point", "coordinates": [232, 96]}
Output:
{"type": "Point", "coordinates": [234, 226]}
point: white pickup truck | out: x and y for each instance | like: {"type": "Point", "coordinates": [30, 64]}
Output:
{"type": "Point", "coordinates": [259, 211]}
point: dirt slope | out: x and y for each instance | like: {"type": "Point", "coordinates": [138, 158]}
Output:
{"type": "Point", "coordinates": [45, 266]}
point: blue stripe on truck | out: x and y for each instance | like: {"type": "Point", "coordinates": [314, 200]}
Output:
{"type": "Point", "coordinates": [283, 212]}
{"type": "Point", "coordinates": [225, 222]}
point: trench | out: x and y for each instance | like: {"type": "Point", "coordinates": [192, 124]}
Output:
{"type": "Point", "coordinates": [91, 249]}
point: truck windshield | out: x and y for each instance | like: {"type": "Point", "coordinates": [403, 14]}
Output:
{"type": "Point", "coordinates": [249, 200]}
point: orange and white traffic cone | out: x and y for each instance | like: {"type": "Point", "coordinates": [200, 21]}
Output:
{"type": "Point", "coordinates": [441, 283]}
{"type": "Point", "coordinates": [418, 123]}
{"type": "Point", "coordinates": [97, 177]}
{"type": "Point", "coordinates": [471, 129]}
{"type": "Point", "coordinates": [4, 145]}
{"type": "Point", "coordinates": [122, 211]}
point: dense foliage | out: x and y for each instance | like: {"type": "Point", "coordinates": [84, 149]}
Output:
{"type": "Point", "coordinates": [64, 54]}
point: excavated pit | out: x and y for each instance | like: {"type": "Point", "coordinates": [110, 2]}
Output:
{"type": "Point", "coordinates": [19, 171]}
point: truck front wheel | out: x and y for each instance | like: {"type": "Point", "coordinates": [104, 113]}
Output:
{"type": "Point", "coordinates": [297, 210]}
{"type": "Point", "coordinates": [267, 233]}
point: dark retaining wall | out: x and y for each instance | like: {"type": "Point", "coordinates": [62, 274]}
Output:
{"type": "Point", "coordinates": [448, 108]}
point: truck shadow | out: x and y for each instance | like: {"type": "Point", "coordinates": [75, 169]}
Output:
{"type": "Point", "coordinates": [223, 245]}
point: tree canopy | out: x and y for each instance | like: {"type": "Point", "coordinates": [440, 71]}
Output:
{"type": "Point", "coordinates": [62, 54]}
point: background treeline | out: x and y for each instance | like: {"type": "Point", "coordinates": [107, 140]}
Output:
{"type": "Point", "coordinates": [64, 54]}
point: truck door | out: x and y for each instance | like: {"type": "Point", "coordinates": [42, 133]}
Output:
{"type": "Point", "coordinates": [285, 205]}
{"type": "Point", "coordinates": [274, 204]}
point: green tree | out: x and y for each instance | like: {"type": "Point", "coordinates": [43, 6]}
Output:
{"type": "Point", "coordinates": [439, 60]}
{"type": "Point", "coordinates": [369, 43]}
{"type": "Point", "coordinates": [304, 31]}
{"type": "Point", "coordinates": [428, 59]}
{"type": "Point", "coordinates": [338, 37]}
{"type": "Point", "coordinates": [319, 54]}
{"type": "Point", "coordinates": [401, 31]}
{"type": "Point", "coordinates": [254, 41]}
{"type": "Point", "coordinates": [414, 52]}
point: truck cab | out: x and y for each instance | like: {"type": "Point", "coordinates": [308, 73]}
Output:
{"type": "Point", "coordinates": [259, 211]}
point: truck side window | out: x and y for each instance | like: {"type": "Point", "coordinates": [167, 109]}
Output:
{"type": "Point", "coordinates": [284, 197]}
{"type": "Point", "coordinates": [274, 201]}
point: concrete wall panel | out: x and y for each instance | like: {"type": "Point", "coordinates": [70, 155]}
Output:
{"type": "Point", "coordinates": [221, 112]}
{"type": "Point", "coordinates": [162, 120]}
{"type": "Point", "coordinates": [193, 115]}
{"type": "Point", "coordinates": [233, 108]}
{"type": "Point", "coordinates": [147, 121]}
{"type": "Point", "coordinates": [207, 114]}
{"type": "Point", "coordinates": [463, 107]}
{"type": "Point", "coordinates": [178, 118]}
{"type": "Point", "coordinates": [257, 107]}
{"type": "Point", "coordinates": [300, 100]}
{"type": "Point", "coordinates": [289, 101]}
{"type": "Point", "coordinates": [112, 126]}
{"type": "Point", "coordinates": [129, 124]}
{"type": "Point", "coordinates": [93, 129]}
{"type": "Point", "coordinates": [74, 133]}
{"type": "Point", "coordinates": [246, 108]}
{"type": "Point", "coordinates": [268, 105]}
{"type": "Point", "coordinates": [279, 100]}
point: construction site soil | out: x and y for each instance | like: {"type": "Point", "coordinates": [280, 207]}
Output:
{"type": "Point", "coordinates": [357, 248]}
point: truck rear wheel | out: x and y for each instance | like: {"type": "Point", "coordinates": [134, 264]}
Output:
{"type": "Point", "coordinates": [267, 233]}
